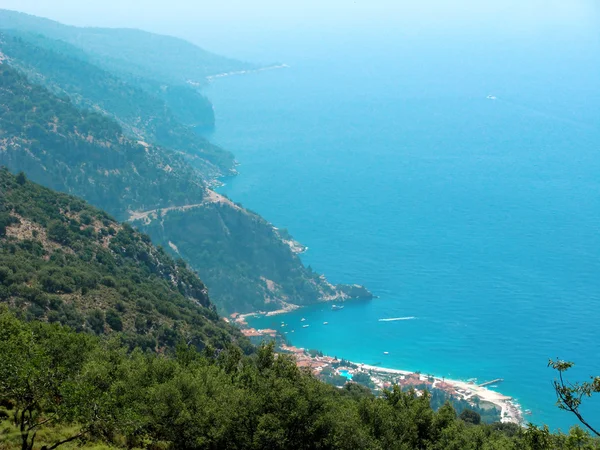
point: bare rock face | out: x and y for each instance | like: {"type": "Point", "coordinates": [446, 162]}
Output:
{"type": "Point", "coordinates": [355, 291]}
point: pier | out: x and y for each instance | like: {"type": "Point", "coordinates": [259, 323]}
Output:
{"type": "Point", "coordinates": [487, 383]}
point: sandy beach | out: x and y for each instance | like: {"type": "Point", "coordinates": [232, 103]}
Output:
{"type": "Point", "coordinates": [510, 411]}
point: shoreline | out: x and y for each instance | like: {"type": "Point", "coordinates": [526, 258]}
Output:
{"type": "Point", "coordinates": [211, 78]}
{"type": "Point", "coordinates": [510, 410]}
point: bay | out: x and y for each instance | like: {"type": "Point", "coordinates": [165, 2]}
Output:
{"type": "Point", "coordinates": [477, 217]}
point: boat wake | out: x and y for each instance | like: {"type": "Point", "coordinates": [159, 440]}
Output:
{"type": "Point", "coordinates": [394, 319]}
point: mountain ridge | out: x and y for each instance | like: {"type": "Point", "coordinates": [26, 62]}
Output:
{"type": "Point", "coordinates": [176, 68]}
{"type": "Point", "coordinates": [64, 261]}
{"type": "Point", "coordinates": [244, 260]}
{"type": "Point", "coordinates": [65, 71]}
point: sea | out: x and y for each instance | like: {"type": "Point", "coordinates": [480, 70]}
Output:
{"type": "Point", "coordinates": [459, 180]}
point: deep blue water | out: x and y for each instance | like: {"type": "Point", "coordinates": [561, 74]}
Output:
{"type": "Point", "coordinates": [480, 218]}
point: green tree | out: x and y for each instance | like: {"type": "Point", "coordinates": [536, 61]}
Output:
{"type": "Point", "coordinates": [21, 178]}
{"type": "Point", "coordinates": [363, 378]}
{"type": "Point", "coordinates": [6, 220]}
{"type": "Point", "coordinates": [538, 438]}
{"type": "Point", "coordinates": [570, 395]}
{"type": "Point", "coordinates": [470, 416]}
{"type": "Point", "coordinates": [39, 372]}
{"type": "Point", "coordinates": [58, 232]}
{"type": "Point", "coordinates": [114, 320]}
{"type": "Point", "coordinates": [95, 320]}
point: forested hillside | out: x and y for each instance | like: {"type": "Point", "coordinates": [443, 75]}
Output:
{"type": "Point", "coordinates": [85, 153]}
{"type": "Point", "coordinates": [67, 72]}
{"type": "Point", "coordinates": [129, 52]}
{"type": "Point", "coordinates": [67, 390]}
{"type": "Point", "coordinates": [72, 124]}
{"type": "Point", "coordinates": [243, 259]}
{"type": "Point", "coordinates": [66, 262]}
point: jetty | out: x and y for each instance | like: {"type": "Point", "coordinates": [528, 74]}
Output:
{"type": "Point", "coordinates": [487, 383]}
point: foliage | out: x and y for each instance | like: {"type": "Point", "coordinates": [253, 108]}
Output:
{"type": "Point", "coordinates": [243, 261]}
{"type": "Point", "coordinates": [470, 416]}
{"type": "Point", "coordinates": [102, 277]}
{"type": "Point", "coordinates": [40, 370]}
{"type": "Point", "coordinates": [67, 71]}
{"type": "Point", "coordinates": [570, 395]}
{"type": "Point", "coordinates": [210, 400]}
{"type": "Point", "coordinates": [82, 152]}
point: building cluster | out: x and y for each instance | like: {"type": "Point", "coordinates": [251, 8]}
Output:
{"type": "Point", "coordinates": [332, 369]}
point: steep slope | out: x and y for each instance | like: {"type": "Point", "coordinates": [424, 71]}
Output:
{"type": "Point", "coordinates": [66, 71]}
{"type": "Point", "coordinates": [63, 261]}
{"type": "Point", "coordinates": [245, 262]}
{"type": "Point", "coordinates": [131, 52]}
{"type": "Point", "coordinates": [84, 153]}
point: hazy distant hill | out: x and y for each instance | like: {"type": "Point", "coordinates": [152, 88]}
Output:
{"type": "Point", "coordinates": [67, 71]}
{"type": "Point", "coordinates": [86, 154]}
{"type": "Point", "coordinates": [168, 68]}
{"type": "Point", "coordinates": [64, 136]}
{"type": "Point", "coordinates": [244, 261]}
{"type": "Point", "coordinates": [131, 52]}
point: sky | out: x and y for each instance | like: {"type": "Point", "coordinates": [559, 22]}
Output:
{"type": "Point", "coordinates": [274, 13]}
{"type": "Point", "coordinates": [233, 26]}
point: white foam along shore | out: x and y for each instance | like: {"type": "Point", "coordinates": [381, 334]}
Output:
{"type": "Point", "coordinates": [245, 72]}
{"type": "Point", "coordinates": [510, 410]}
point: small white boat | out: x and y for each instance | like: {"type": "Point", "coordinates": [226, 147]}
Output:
{"type": "Point", "coordinates": [325, 323]}
{"type": "Point", "coordinates": [492, 97]}
{"type": "Point", "coordinates": [283, 325]}
{"type": "Point", "coordinates": [302, 320]}
{"type": "Point", "coordinates": [305, 326]}
{"type": "Point", "coordinates": [386, 353]}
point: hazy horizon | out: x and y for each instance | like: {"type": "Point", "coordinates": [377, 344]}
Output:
{"type": "Point", "coordinates": [266, 28]}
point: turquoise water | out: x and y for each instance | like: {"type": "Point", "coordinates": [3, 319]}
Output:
{"type": "Point", "coordinates": [479, 218]}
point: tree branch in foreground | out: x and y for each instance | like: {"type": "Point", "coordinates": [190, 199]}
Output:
{"type": "Point", "coordinates": [570, 396]}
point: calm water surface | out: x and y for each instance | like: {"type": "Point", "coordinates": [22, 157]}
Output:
{"type": "Point", "coordinates": [478, 217]}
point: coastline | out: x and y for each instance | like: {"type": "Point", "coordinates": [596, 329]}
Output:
{"type": "Point", "coordinates": [211, 78]}
{"type": "Point", "coordinates": [384, 377]}
{"type": "Point", "coordinates": [510, 411]}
